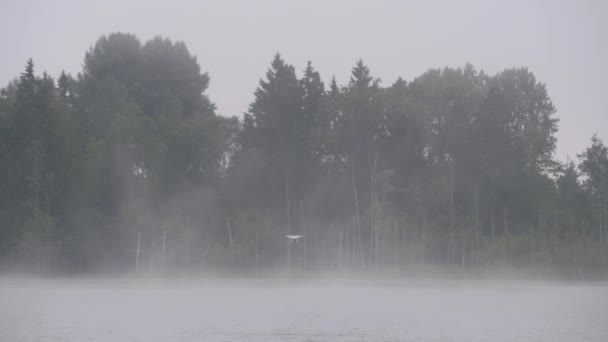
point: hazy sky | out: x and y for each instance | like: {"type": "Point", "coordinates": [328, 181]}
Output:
{"type": "Point", "coordinates": [565, 43]}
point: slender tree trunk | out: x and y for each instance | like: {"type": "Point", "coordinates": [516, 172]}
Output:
{"type": "Point", "coordinates": [353, 243]}
{"type": "Point", "coordinates": [378, 217]}
{"type": "Point", "coordinates": [370, 243]}
{"type": "Point", "coordinates": [378, 199]}
{"type": "Point", "coordinates": [287, 203]}
{"type": "Point", "coordinates": [257, 250]}
{"type": "Point", "coordinates": [372, 186]}
{"type": "Point", "coordinates": [549, 243]}
{"type": "Point", "coordinates": [357, 213]}
{"type": "Point", "coordinates": [603, 240]}
{"type": "Point", "coordinates": [187, 257]}
{"type": "Point", "coordinates": [346, 256]}
{"type": "Point", "coordinates": [424, 237]}
{"type": "Point", "coordinates": [37, 173]}
{"type": "Point", "coordinates": [451, 243]}
{"type": "Point", "coordinates": [506, 235]}
{"type": "Point", "coordinates": [601, 204]}
{"type": "Point", "coordinates": [340, 257]}
{"type": "Point", "coordinates": [288, 217]}
{"type": "Point", "coordinates": [229, 229]}
{"type": "Point", "coordinates": [477, 227]}
{"type": "Point", "coordinates": [401, 244]}
{"type": "Point", "coordinates": [164, 245]}
{"type": "Point", "coordinates": [405, 249]}
{"type": "Point", "coordinates": [462, 252]}
{"type": "Point", "coordinates": [303, 233]}
{"type": "Point", "coordinates": [493, 227]}
{"type": "Point", "coordinates": [289, 255]}
{"type": "Point", "coordinates": [137, 251]}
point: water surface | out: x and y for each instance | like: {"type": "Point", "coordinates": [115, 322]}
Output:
{"type": "Point", "coordinates": [247, 310]}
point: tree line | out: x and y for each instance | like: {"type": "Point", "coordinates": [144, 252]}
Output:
{"type": "Point", "coordinates": [127, 165]}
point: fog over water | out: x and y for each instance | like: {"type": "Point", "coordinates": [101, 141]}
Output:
{"type": "Point", "coordinates": [289, 310]}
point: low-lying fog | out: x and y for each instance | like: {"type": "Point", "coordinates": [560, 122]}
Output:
{"type": "Point", "coordinates": [295, 310]}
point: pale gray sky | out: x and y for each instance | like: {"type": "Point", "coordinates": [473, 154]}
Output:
{"type": "Point", "coordinates": [565, 43]}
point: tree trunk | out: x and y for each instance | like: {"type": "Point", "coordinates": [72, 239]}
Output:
{"type": "Point", "coordinates": [257, 249]}
{"type": "Point", "coordinates": [187, 257]}
{"type": "Point", "coordinates": [37, 176]}
{"type": "Point", "coordinates": [424, 237]}
{"type": "Point", "coordinates": [601, 204]}
{"type": "Point", "coordinates": [462, 252]}
{"type": "Point", "coordinates": [477, 227]}
{"type": "Point", "coordinates": [493, 227]}
{"type": "Point", "coordinates": [288, 217]}
{"type": "Point", "coordinates": [353, 243]}
{"type": "Point", "coordinates": [505, 234]}
{"type": "Point", "coordinates": [302, 232]}
{"type": "Point", "coordinates": [287, 203]}
{"type": "Point", "coordinates": [372, 161]}
{"type": "Point", "coordinates": [451, 242]}
{"type": "Point", "coordinates": [340, 257]}
{"type": "Point", "coordinates": [357, 220]}
{"type": "Point", "coordinates": [137, 251]}
{"type": "Point", "coordinates": [400, 245]}
{"type": "Point", "coordinates": [229, 229]}
{"type": "Point", "coordinates": [346, 252]}
{"type": "Point", "coordinates": [549, 242]}
{"type": "Point", "coordinates": [378, 199]}
{"type": "Point", "coordinates": [378, 216]}
{"type": "Point", "coordinates": [164, 245]}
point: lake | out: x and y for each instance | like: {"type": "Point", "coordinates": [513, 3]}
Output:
{"type": "Point", "coordinates": [155, 310]}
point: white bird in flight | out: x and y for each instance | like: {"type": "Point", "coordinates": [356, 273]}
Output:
{"type": "Point", "coordinates": [293, 238]}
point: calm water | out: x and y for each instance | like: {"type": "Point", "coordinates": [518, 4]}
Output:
{"type": "Point", "coordinates": [117, 311]}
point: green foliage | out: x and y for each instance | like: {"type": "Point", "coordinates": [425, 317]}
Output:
{"type": "Point", "coordinates": [128, 165]}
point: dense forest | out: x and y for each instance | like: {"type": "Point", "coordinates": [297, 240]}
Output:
{"type": "Point", "coordinates": [128, 166]}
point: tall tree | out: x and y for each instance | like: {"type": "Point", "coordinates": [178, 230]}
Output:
{"type": "Point", "coordinates": [359, 128]}
{"type": "Point", "coordinates": [594, 165]}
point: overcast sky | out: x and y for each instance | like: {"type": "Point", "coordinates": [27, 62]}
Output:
{"type": "Point", "coordinates": [565, 43]}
